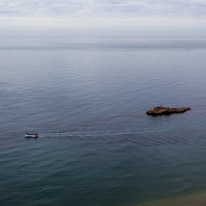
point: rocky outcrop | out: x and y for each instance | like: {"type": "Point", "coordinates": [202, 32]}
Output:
{"type": "Point", "coordinates": [154, 111]}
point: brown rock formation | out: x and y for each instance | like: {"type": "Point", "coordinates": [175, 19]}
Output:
{"type": "Point", "coordinates": [166, 110]}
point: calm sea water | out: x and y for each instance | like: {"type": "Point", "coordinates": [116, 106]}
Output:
{"type": "Point", "coordinates": [87, 97]}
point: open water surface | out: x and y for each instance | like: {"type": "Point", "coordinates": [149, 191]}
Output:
{"type": "Point", "coordinates": [87, 97]}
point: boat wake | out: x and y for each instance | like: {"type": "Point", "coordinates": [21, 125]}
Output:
{"type": "Point", "coordinates": [99, 133]}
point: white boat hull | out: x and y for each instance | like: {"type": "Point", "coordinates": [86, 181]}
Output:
{"type": "Point", "coordinates": [31, 135]}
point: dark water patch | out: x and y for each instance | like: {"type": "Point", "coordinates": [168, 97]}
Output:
{"type": "Point", "coordinates": [162, 44]}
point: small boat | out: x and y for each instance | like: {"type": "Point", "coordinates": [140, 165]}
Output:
{"type": "Point", "coordinates": [31, 135]}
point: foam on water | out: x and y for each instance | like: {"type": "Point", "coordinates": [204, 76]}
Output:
{"type": "Point", "coordinates": [99, 133]}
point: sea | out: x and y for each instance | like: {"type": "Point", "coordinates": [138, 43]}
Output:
{"type": "Point", "coordinates": [87, 97]}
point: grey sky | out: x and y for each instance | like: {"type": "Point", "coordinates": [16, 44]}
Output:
{"type": "Point", "coordinates": [71, 12]}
